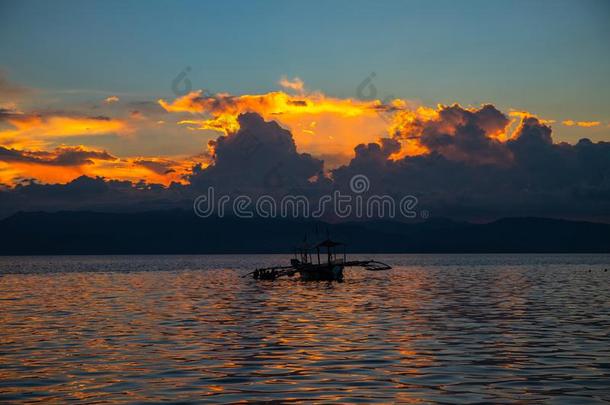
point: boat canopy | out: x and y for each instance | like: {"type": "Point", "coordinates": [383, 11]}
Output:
{"type": "Point", "coordinates": [328, 243]}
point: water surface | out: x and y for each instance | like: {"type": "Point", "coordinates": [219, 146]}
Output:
{"type": "Point", "coordinates": [437, 328]}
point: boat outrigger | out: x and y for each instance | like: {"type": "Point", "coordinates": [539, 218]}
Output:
{"type": "Point", "coordinates": [308, 270]}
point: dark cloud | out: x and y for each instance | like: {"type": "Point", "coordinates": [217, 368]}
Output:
{"type": "Point", "coordinates": [7, 114]}
{"type": "Point", "coordinates": [301, 103]}
{"type": "Point", "coordinates": [468, 136]}
{"type": "Point", "coordinates": [95, 194]}
{"type": "Point", "coordinates": [528, 175]}
{"type": "Point", "coordinates": [372, 158]}
{"type": "Point", "coordinates": [62, 156]}
{"type": "Point", "coordinates": [467, 174]}
{"type": "Point", "coordinates": [261, 155]}
{"type": "Point", "coordinates": [157, 166]}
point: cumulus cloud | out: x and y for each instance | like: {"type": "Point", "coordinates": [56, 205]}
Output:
{"type": "Point", "coordinates": [527, 174]}
{"type": "Point", "coordinates": [260, 155]}
{"type": "Point", "coordinates": [469, 163]}
{"type": "Point", "coordinates": [467, 135]}
{"type": "Point", "coordinates": [324, 126]}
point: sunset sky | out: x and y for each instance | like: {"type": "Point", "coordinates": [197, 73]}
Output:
{"type": "Point", "coordinates": [109, 89]}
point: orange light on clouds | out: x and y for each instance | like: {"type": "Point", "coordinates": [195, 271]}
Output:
{"type": "Point", "coordinates": [128, 169]}
{"type": "Point", "coordinates": [583, 124]}
{"type": "Point", "coordinates": [327, 127]}
{"type": "Point", "coordinates": [270, 104]}
{"type": "Point", "coordinates": [33, 130]}
{"type": "Point", "coordinates": [340, 124]}
{"type": "Point", "coordinates": [10, 173]}
{"type": "Point", "coordinates": [123, 169]}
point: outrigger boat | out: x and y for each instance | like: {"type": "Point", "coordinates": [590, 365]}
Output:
{"type": "Point", "coordinates": [308, 270]}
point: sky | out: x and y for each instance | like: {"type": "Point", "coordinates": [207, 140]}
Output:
{"type": "Point", "coordinates": [146, 91]}
{"type": "Point", "coordinates": [546, 56]}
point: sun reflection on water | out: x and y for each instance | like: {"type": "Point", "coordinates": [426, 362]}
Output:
{"type": "Point", "coordinates": [137, 329]}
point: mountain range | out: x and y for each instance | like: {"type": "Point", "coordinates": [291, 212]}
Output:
{"type": "Point", "coordinates": [182, 232]}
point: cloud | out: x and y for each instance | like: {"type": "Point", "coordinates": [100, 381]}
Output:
{"type": "Point", "coordinates": [470, 135]}
{"type": "Point", "coordinates": [62, 164]}
{"type": "Point", "coordinates": [62, 156]}
{"type": "Point", "coordinates": [270, 104]}
{"type": "Point", "coordinates": [294, 84]}
{"type": "Point", "coordinates": [463, 162]}
{"type": "Point", "coordinates": [159, 166]}
{"type": "Point", "coordinates": [260, 155]}
{"type": "Point", "coordinates": [89, 193]}
{"type": "Point", "coordinates": [541, 178]}
{"type": "Point", "coordinates": [324, 126]}
{"type": "Point", "coordinates": [111, 99]}
{"type": "Point", "coordinates": [34, 129]}
{"type": "Point", "coordinates": [583, 124]}
{"type": "Point", "coordinates": [66, 163]}
{"type": "Point", "coordinates": [467, 135]}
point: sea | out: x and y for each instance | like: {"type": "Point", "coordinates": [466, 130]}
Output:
{"type": "Point", "coordinates": [491, 328]}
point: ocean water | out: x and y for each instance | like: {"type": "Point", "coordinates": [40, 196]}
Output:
{"type": "Point", "coordinates": [436, 328]}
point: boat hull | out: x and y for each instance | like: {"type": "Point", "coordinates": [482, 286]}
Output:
{"type": "Point", "coordinates": [321, 273]}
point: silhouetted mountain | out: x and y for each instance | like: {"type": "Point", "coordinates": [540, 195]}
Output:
{"type": "Point", "coordinates": [181, 232]}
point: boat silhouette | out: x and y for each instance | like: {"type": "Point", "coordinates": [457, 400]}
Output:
{"type": "Point", "coordinates": [328, 265]}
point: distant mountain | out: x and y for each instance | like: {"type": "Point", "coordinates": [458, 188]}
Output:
{"type": "Point", "coordinates": [181, 232]}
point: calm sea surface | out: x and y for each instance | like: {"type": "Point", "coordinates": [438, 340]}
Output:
{"type": "Point", "coordinates": [436, 328]}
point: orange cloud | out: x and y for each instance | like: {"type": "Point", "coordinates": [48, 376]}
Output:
{"type": "Point", "coordinates": [269, 104]}
{"type": "Point", "coordinates": [33, 130]}
{"type": "Point", "coordinates": [330, 128]}
{"type": "Point", "coordinates": [517, 118]}
{"type": "Point", "coordinates": [340, 124]}
{"type": "Point", "coordinates": [13, 173]}
{"type": "Point", "coordinates": [155, 170]}
{"type": "Point", "coordinates": [327, 127]}
{"type": "Point", "coordinates": [60, 165]}
{"type": "Point", "coordinates": [583, 124]}
{"type": "Point", "coordinates": [26, 141]}
{"type": "Point", "coordinates": [65, 164]}
{"type": "Point", "coordinates": [424, 129]}
{"type": "Point", "coordinates": [407, 127]}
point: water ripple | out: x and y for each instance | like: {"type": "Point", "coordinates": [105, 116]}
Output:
{"type": "Point", "coordinates": [447, 328]}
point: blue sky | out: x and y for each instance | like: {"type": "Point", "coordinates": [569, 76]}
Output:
{"type": "Point", "coordinates": [550, 57]}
